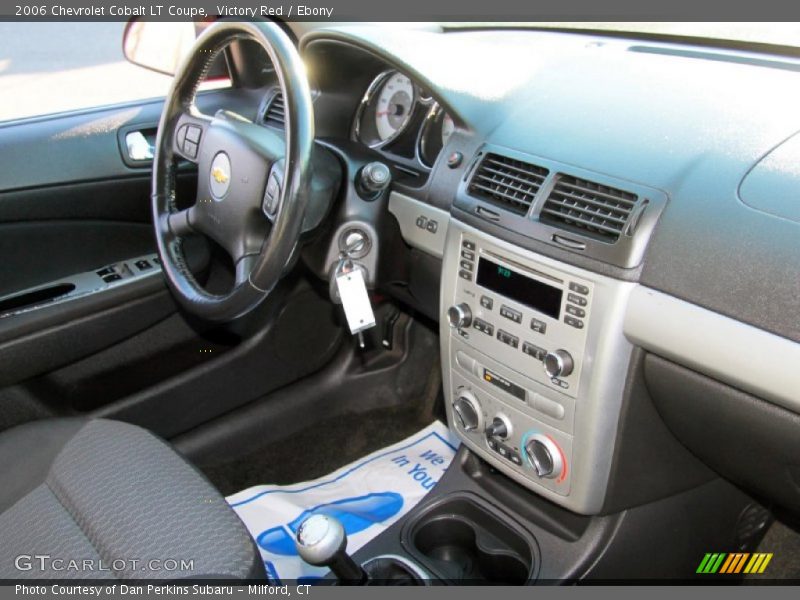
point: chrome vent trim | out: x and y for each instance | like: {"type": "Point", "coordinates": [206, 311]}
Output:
{"type": "Point", "coordinates": [507, 182]}
{"type": "Point", "coordinates": [588, 208]}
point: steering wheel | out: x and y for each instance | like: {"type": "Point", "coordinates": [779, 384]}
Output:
{"type": "Point", "coordinates": [252, 185]}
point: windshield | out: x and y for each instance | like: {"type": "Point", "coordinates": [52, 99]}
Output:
{"type": "Point", "coordinates": [773, 34]}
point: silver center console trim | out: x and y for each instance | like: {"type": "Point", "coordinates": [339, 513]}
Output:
{"type": "Point", "coordinates": [423, 226]}
{"type": "Point", "coordinates": [582, 420]}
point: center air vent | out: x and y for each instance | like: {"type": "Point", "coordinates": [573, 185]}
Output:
{"type": "Point", "coordinates": [506, 182]}
{"type": "Point", "coordinates": [589, 208]}
{"type": "Point", "coordinates": [274, 114]}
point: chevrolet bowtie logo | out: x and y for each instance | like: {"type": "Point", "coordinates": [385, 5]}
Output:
{"type": "Point", "coordinates": [219, 175]}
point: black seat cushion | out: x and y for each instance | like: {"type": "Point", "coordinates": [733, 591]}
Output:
{"type": "Point", "coordinates": [105, 499]}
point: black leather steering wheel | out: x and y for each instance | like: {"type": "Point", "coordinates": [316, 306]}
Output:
{"type": "Point", "coordinates": [252, 188]}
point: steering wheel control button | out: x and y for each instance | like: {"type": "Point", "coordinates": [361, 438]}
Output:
{"type": "Point", "coordinates": [272, 196]}
{"type": "Point", "coordinates": [219, 177]}
{"type": "Point", "coordinates": [193, 133]}
{"type": "Point", "coordinates": [558, 364]}
{"type": "Point", "coordinates": [544, 456]}
{"type": "Point", "coordinates": [459, 316]}
{"type": "Point", "coordinates": [467, 411]}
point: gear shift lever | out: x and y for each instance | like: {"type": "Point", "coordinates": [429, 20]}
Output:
{"type": "Point", "coordinates": [322, 542]}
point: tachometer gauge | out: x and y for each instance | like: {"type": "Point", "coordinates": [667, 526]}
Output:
{"type": "Point", "coordinates": [448, 126]}
{"type": "Point", "coordinates": [394, 106]}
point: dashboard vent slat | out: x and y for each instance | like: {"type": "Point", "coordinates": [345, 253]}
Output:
{"type": "Point", "coordinates": [275, 113]}
{"type": "Point", "coordinates": [506, 182]}
{"type": "Point", "coordinates": [589, 208]}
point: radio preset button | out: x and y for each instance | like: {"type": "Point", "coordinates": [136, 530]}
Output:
{"type": "Point", "coordinates": [575, 311]}
{"type": "Point", "coordinates": [573, 322]}
{"type": "Point", "coordinates": [483, 326]}
{"type": "Point", "coordinates": [510, 313]}
{"type": "Point", "coordinates": [465, 275]}
{"type": "Point", "coordinates": [468, 255]}
{"type": "Point", "coordinates": [468, 245]}
{"type": "Point", "coordinates": [577, 287]}
{"type": "Point", "coordinates": [487, 302]}
{"type": "Point", "coordinates": [507, 338]}
{"type": "Point", "coordinates": [539, 326]}
{"type": "Point", "coordinates": [579, 300]}
{"type": "Point", "coordinates": [465, 264]}
{"type": "Point", "coordinates": [534, 351]}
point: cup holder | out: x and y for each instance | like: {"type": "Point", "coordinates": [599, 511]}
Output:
{"type": "Point", "coordinates": [465, 540]}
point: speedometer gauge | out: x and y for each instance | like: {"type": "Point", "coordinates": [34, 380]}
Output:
{"type": "Point", "coordinates": [394, 106]}
{"type": "Point", "coordinates": [388, 108]}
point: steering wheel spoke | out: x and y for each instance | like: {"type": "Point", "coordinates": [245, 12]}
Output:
{"type": "Point", "coordinates": [181, 223]}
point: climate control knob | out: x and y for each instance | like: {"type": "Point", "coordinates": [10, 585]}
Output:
{"type": "Point", "coordinates": [544, 456]}
{"type": "Point", "coordinates": [459, 316]}
{"type": "Point", "coordinates": [558, 363]}
{"type": "Point", "coordinates": [467, 412]}
{"type": "Point", "coordinates": [500, 427]}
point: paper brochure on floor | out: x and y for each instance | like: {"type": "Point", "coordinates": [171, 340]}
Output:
{"type": "Point", "coordinates": [367, 496]}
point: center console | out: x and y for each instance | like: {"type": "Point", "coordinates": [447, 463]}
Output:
{"type": "Point", "coordinates": [534, 364]}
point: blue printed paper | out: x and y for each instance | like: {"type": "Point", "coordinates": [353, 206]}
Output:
{"type": "Point", "coordinates": [366, 496]}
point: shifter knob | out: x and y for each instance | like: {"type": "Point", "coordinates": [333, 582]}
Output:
{"type": "Point", "coordinates": [321, 541]}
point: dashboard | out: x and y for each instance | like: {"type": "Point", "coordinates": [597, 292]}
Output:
{"type": "Point", "coordinates": [589, 214]}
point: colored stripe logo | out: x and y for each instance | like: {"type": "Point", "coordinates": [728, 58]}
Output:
{"type": "Point", "coordinates": [732, 563]}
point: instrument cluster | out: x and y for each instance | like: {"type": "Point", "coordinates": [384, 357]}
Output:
{"type": "Point", "coordinates": [399, 117]}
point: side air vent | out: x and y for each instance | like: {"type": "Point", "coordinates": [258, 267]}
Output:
{"type": "Point", "coordinates": [274, 115]}
{"type": "Point", "coordinates": [506, 182]}
{"type": "Point", "coordinates": [590, 208]}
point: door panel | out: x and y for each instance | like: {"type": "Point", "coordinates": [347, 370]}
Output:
{"type": "Point", "coordinates": [68, 205]}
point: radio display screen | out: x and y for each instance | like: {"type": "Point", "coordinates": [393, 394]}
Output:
{"type": "Point", "coordinates": [530, 292]}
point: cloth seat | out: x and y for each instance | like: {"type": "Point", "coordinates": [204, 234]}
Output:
{"type": "Point", "coordinates": [101, 499]}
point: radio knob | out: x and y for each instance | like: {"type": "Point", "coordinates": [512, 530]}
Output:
{"type": "Point", "coordinates": [459, 316]}
{"type": "Point", "coordinates": [467, 411]}
{"type": "Point", "coordinates": [544, 456]}
{"type": "Point", "coordinates": [558, 363]}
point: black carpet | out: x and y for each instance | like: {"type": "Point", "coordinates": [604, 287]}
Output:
{"type": "Point", "coordinates": [317, 450]}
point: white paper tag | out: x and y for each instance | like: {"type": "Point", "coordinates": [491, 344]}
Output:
{"type": "Point", "coordinates": [355, 300]}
